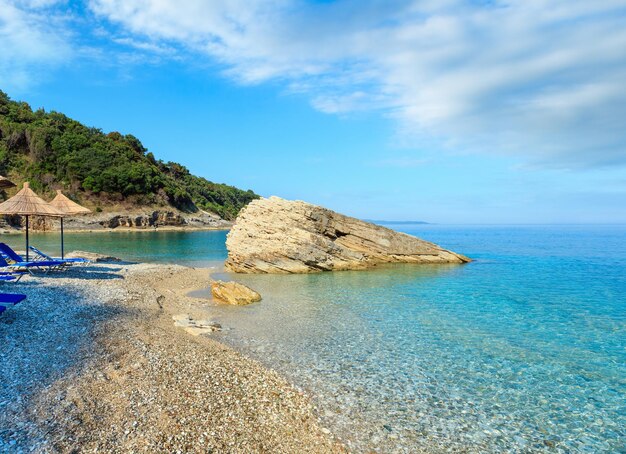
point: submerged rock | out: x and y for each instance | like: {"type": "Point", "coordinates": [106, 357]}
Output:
{"type": "Point", "coordinates": [92, 257]}
{"type": "Point", "coordinates": [195, 327]}
{"type": "Point", "coordinates": [234, 293]}
{"type": "Point", "coordinates": [280, 236]}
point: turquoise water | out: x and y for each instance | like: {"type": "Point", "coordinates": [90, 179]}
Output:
{"type": "Point", "coordinates": [193, 248]}
{"type": "Point", "coordinates": [522, 350]}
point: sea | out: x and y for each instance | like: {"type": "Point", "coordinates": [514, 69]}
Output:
{"type": "Point", "coordinates": [522, 350]}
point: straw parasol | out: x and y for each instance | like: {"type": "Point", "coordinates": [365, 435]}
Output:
{"type": "Point", "coordinates": [69, 208]}
{"type": "Point", "coordinates": [6, 183]}
{"type": "Point", "coordinates": [27, 203]}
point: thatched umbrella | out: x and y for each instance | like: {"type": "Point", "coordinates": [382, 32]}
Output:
{"type": "Point", "coordinates": [27, 203]}
{"type": "Point", "coordinates": [6, 183]}
{"type": "Point", "coordinates": [69, 208]}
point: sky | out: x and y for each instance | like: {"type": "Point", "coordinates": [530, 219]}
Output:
{"type": "Point", "coordinates": [447, 111]}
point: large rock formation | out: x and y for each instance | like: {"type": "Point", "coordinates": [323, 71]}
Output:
{"type": "Point", "coordinates": [281, 236]}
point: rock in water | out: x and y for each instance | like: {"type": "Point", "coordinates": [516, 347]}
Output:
{"type": "Point", "coordinates": [234, 293]}
{"type": "Point", "coordinates": [282, 236]}
{"type": "Point", "coordinates": [92, 257]}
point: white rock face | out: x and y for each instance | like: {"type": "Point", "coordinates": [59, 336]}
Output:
{"type": "Point", "coordinates": [281, 236]}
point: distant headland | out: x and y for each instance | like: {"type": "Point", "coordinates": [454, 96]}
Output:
{"type": "Point", "coordinates": [110, 173]}
{"type": "Point", "coordinates": [378, 221]}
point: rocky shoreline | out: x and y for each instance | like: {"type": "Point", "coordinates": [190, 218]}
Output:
{"type": "Point", "coordinates": [136, 220]}
{"type": "Point", "coordinates": [93, 360]}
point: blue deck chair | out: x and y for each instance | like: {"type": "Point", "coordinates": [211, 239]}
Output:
{"type": "Point", "coordinates": [10, 299]}
{"type": "Point", "coordinates": [12, 275]}
{"type": "Point", "coordinates": [70, 261]}
{"type": "Point", "coordinates": [19, 263]}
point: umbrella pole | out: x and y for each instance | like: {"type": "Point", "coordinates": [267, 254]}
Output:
{"type": "Point", "coordinates": [62, 245]}
{"type": "Point", "coordinates": [27, 238]}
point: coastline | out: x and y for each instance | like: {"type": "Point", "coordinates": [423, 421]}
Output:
{"type": "Point", "coordinates": [121, 229]}
{"type": "Point", "coordinates": [118, 375]}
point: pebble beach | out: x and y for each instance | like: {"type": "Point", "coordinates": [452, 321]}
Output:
{"type": "Point", "coordinates": [93, 361]}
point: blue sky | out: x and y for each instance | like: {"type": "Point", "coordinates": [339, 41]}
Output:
{"type": "Point", "coordinates": [446, 111]}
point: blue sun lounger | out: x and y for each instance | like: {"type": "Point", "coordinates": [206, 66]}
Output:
{"type": "Point", "coordinates": [12, 275]}
{"type": "Point", "coordinates": [70, 261]}
{"type": "Point", "coordinates": [10, 299]}
{"type": "Point", "coordinates": [19, 263]}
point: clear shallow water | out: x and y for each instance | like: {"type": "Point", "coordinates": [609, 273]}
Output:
{"type": "Point", "coordinates": [522, 350]}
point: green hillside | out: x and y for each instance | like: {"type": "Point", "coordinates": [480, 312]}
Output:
{"type": "Point", "coordinates": [52, 151]}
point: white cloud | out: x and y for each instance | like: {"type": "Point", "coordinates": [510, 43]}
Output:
{"type": "Point", "coordinates": [541, 79]}
{"type": "Point", "coordinates": [146, 46]}
{"type": "Point", "coordinates": [30, 41]}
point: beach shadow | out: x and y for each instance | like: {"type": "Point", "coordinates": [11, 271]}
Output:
{"type": "Point", "coordinates": [88, 272]}
{"type": "Point", "coordinates": [95, 267]}
{"type": "Point", "coordinates": [44, 337]}
{"type": "Point", "coordinates": [78, 274]}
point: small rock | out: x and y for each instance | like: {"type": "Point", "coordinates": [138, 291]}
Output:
{"type": "Point", "coordinates": [234, 293]}
{"type": "Point", "coordinates": [195, 327]}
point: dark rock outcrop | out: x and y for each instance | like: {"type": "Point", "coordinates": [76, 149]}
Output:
{"type": "Point", "coordinates": [157, 218]}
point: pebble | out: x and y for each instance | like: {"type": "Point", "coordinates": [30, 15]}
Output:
{"type": "Point", "coordinates": [112, 355]}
